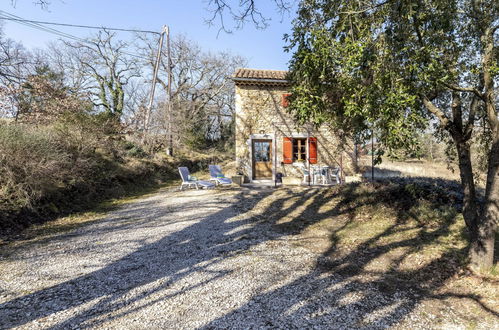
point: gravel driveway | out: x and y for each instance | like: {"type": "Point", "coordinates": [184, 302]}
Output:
{"type": "Point", "coordinates": [187, 260]}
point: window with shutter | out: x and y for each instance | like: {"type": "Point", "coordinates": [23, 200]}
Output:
{"type": "Point", "coordinates": [299, 149]}
{"type": "Point", "coordinates": [295, 150]}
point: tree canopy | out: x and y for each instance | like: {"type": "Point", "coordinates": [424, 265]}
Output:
{"type": "Point", "coordinates": [392, 66]}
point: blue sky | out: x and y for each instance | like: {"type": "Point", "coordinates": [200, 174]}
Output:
{"type": "Point", "coordinates": [262, 48]}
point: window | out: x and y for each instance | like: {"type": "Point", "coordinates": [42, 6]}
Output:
{"type": "Point", "coordinates": [295, 150]}
{"type": "Point", "coordinates": [299, 150]}
{"type": "Point", "coordinates": [261, 151]}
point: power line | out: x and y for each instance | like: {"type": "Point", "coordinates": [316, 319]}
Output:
{"type": "Point", "coordinates": [37, 26]}
{"type": "Point", "coordinates": [80, 26]}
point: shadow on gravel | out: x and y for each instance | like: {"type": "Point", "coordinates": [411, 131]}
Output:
{"type": "Point", "coordinates": [107, 289]}
{"type": "Point", "coordinates": [344, 290]}
{"type": "Point", "coordinates": [338, 292]}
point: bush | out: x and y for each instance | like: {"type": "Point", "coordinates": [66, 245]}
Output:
{"type": "Point", "coordinates": [69, 165]}
{"type": "Point", "coordinates": [36, 162]}
{"type": "Point", "coordinates": [32, 161]}
{"type": "Point", "coordinates": [134, 150]}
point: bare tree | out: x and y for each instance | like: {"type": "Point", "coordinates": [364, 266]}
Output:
{"type": "Point", "coordinates": [16, 65]}
{"type": "Point", "coordinates": [202, 91]}
{"type": "Point", "coordinates": [14, 61]}
{"type": "Point", "coordinates": [110, 67]}
{"type": "Point", "coordinates": [67, 59]}
{"type": "Point", "coordinates": [137, 92]}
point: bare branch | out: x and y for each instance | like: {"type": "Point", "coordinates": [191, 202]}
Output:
{"type": "Point", "coordinates": [242, 12]}
{"type": "Point", "coordinates": [106, 61]}
{"type": "Point", "coordinates": [466, 90]}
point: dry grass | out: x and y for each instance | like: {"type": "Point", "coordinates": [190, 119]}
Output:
{"type": "Point", "coordinates": [395, 236]}
{"type": "Point", "coordinates": [410, 168]}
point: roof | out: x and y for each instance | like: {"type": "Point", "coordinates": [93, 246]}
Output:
{"type": "Point", "coordinates": [260, 77]}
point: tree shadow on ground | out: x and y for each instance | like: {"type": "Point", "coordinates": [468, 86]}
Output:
{"type": "Point", "coordinates": [346, 289]}
{"type": "Point", "coordinates": [199, 244]}
{"type": "Point", "coordinates": [341, 290]}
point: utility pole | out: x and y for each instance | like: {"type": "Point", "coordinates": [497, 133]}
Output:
{"type": "Point", "coordinates": [169, 149]}
{"type": "Point", "coordinates": [154, 79]}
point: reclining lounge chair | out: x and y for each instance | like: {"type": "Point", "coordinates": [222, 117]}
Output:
{"type": "Point", "coordinates": [190, 181]}
{"type": "Point", "coordinates": [217, 175]}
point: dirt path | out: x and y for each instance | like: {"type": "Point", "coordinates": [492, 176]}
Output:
{"type": "Point", "coordinates": [188, 260]}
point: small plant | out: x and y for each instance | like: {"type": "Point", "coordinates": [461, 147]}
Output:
{"type": "Point", "coordinates": [134, 150]}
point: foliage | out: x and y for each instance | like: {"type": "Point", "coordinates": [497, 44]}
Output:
{"type": "Point", "coordinates": [67, 166]}
{"type": "Point", "coordinates": [43, 97]}
{"type": "Point", "coordinates": [389, 66]}
{"type": "Point", "coordinates": [134, 150]}
{"type": "Point", "coordinates": [341, 75]}
{"type": "Point", "coordinates": [38, 160]}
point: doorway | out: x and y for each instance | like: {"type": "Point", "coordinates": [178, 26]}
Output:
{"type": "Point", "coordinates": [262, 159]}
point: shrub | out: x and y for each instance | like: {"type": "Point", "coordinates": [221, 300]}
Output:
{"type": "Point", "coordinates": [134, 150]}
{"type": "Point", "coordinates": [32, 161]}
{"type": "Point", "coordinates": [37, 161]}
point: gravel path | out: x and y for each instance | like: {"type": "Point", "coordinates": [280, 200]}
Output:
{"type": "Point", "coordinates": [186, 260]}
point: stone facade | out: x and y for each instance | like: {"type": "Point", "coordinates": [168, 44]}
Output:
{"type": "Point", "coordinates": [260, 114]}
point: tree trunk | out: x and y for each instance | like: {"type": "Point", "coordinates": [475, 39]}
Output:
{"type": "Point", "coordinates": [482, 246]}
{"type": "Point", "coordinates": [470, 205]}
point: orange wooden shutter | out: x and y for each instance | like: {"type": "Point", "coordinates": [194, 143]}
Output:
{"type": "Point", "coordinates": [284, 100]}
{"type": "Point", "coordinates": [287, 150]}
{"type": "Point", "coordinates": [312, 150]}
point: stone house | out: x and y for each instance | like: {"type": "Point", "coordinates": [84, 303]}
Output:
{"type": "Point", "coordinates": [269, 141]}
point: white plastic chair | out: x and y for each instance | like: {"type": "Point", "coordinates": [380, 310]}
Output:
{"type": "Point", "coordinates": [325, 174]}
{"type": "Point", "coordinates": [336, 174]}
{"type": "Point", "coordinates": [316, 174]}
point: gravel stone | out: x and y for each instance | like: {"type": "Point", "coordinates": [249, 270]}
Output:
{"type": "Point", "coordinates": [184, 260]}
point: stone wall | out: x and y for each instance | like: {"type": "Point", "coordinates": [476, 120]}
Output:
{"type": "Point", "coordinates": [259, 114]}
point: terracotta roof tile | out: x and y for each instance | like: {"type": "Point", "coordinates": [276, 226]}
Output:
{"type": "Point", "coordinates": [245, 73]}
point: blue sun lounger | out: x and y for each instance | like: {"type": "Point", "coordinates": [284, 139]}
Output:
{"type": "Point", "coordinates": [217, 175]}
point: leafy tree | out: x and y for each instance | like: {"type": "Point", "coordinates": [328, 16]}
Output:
{"type": "Point", "coordinates": [43, 97]}
{"type": "Point", "coordinates": [391, 65]}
